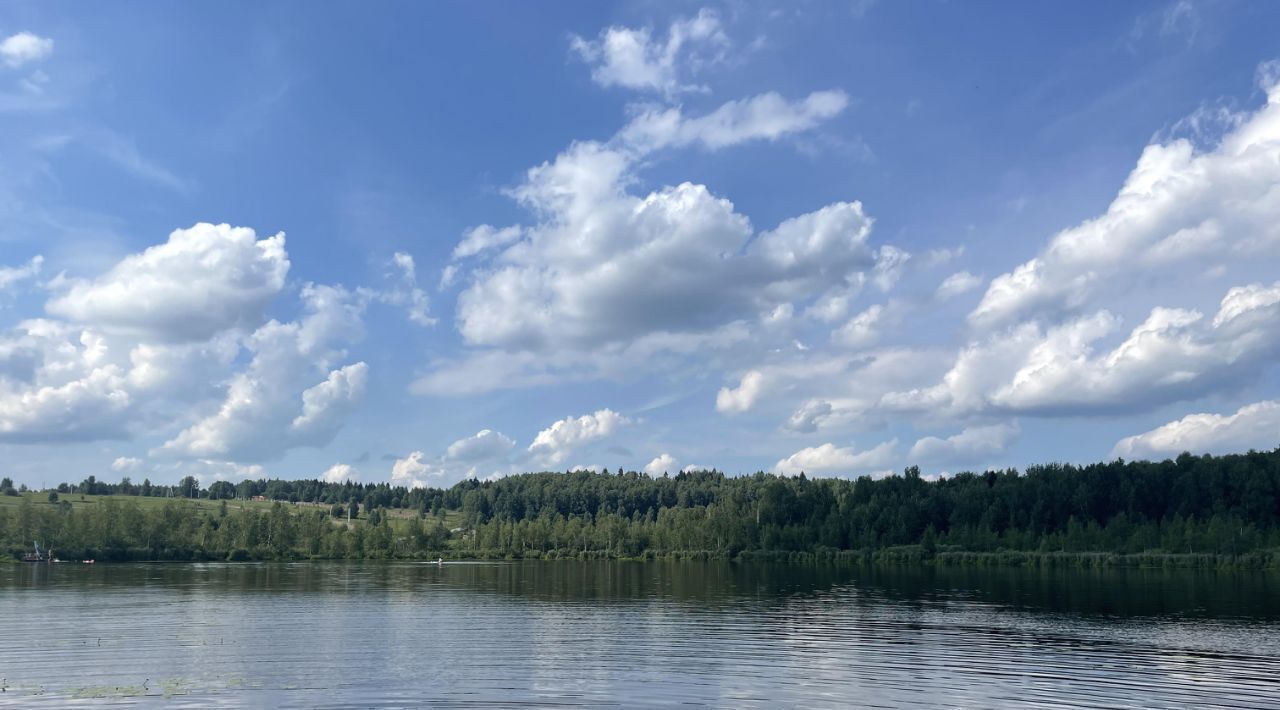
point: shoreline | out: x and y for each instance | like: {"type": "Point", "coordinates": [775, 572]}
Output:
{"type": "Point", "coordinates": [908, 556]}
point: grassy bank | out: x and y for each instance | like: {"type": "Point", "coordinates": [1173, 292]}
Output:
{"type": "Point", "coordinates": [80, 501]}
{"type": "Point", "coordinates": [202, 506]}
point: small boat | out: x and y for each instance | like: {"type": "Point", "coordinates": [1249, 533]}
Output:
{"type": "Point", "coordinates": [87, 562]}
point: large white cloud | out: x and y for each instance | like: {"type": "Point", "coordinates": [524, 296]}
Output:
{"type": "Point", "coordinates": [1179, 205]}
{"type": "Point", "coordinates": [275, 403]}
{"type": "Point", "coordinates": [839, 460]}
{"type": "Point", "coordinates": [604, 271]}
{"type": "Point", "coordinates": [614, 267]}
{"type": "Point", "coordinates": [832, 390]}
{"type": "Point", "coordinates": [639, 276]}
{"type": "Point", "coordinates": [554, 444]}
{"type": "Point", "coordinates": [1253, 426]}
{"type": "Point", "coordinates": [65, 382]}
{"type": "Point", "coordinates": [58, 382]}
{"type": "Point", "coordinates": [634, 59]}
{"type": "Point", "coordinates": [1175, 354]}
{"type": "Point", "coordinates": [159, 337]}
{"type": "Point", "coordinates": [203, 280]}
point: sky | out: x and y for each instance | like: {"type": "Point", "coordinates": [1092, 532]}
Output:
{"type": "Point", "coordinates": [451, 240]}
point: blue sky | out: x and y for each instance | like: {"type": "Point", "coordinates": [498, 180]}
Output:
{"type": "Point", "coordinates": [842, 238]}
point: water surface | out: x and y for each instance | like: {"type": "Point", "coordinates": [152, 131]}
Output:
{"type": "Point", "coordinates": [321, 635]}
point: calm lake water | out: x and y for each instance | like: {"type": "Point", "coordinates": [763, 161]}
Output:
{"type": "Point", "coordinates": [319, 635]}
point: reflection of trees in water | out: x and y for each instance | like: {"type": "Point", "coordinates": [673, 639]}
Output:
{"type": "Point", "coordinates": [713, 582]}
{"type": "Point", "coordinates": [1083, 591]}
{"type": "Point", "coordinates": [1111, 591]}
{"type": "Point", "coordinates": [623, 632]}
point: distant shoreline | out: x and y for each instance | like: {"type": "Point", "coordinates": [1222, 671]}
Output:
{"type": "Point", "coordinates": [1194, 511]}
{"type": "Point", "coordinates": [907, 556]}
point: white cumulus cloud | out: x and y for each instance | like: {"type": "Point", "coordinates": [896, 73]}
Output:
{"type": "Point", "coordinates": [483, 455]}
{"type": "Point", "coordinates": [554, 444]}
{"type": "Point", "coordinates": [324, 404]}
{"type": "Point", "coordinates": [61, 383]}
{"type": "Point", "coordinates": [836, 460]}
{"type": "Point", "coordinates": [275, 404]}
{"type": "Point", "coordinates": [608, 280]}
{"type": "Point", "coordinates": [1179, 205]}
{"type": "Point", "coordinates": [661, 464]}
{"type": "Point", "coordinates": [340, 473]}
{"type": "Point", "coordinates": [1175, 354]}
{"type": "Point", "coordinates": [1253, 426]}
{"type": "Point", "coordinates": [633, 58]}
{"type": "Point", "coordinates": [203, 280]}
{"type": "Point", "coordinates": [483, 445]}
{"type": "Point", "coordinates": [24, 47]}
{"type": "Point", "coordinates": [126, 464]}
{"type": "Point", "coordinates": [742, 397]}
{"type": "Point", "coordinates": [414, 471]}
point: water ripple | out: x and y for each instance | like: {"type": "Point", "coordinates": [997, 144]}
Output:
{"type": "Point", "coordinates": [600, 635]}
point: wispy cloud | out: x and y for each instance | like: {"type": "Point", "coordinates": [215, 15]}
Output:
{"type": "Point", "coordinates": [122, 151]}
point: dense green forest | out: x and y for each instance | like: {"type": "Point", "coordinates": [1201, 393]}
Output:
{"type": "Point", "coordinates": [1192, 510]}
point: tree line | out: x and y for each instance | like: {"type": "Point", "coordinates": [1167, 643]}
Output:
{"type": "Point", "coordinates": [118, 529]}
{"type": "Point", "coordinates": [1225, 507]}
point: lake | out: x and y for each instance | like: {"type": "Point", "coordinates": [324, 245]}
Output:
{"type": "Point", "coordinates": [330, 635]}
